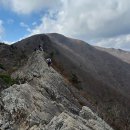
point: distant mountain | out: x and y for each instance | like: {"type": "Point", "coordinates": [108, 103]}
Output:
{"type": "Point", "coordinates": [101, 75]}
{"type": "Point", "coordinates": [119, 53]}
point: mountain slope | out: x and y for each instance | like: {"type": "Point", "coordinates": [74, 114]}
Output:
{"type": "Point", "coordinates": [99, 64]}
{"type": "Point", "coordinates": [101, 78]}
{"type": "Point", "coordinates": [44, 101]}
{"type": "Point", "coordinates": [11, 57]}
{"type": "Point", "coordinates": [104, 67]}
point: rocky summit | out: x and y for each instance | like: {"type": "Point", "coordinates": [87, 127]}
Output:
{"type": "Point", "coordinates": [43, 100]}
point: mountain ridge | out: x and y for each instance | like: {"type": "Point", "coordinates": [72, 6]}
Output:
{"type": "Point", "coordinates": [43, 101]}
{"type": "Point", "coordinates": [104, 78]}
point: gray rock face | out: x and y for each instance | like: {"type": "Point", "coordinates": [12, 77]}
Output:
{"type": "Point", "coordinates": [43, 101]}
{"type": "Point", "coordinates": [68, 121]}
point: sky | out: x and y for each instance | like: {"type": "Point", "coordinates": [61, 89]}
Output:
{"type": "Point", "coordinates": [103, 23]}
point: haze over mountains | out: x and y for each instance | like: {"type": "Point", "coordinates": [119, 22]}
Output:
{"type": "Point", "coordinates": [101, 75]}
{"type": "Point", "coordinates": [119, 53]}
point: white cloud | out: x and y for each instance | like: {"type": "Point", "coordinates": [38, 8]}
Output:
{"type": "Point", "coordinates": [22, 24]}
{"type": "Point", "coordinates": [1, 29]}
{"type": "Point", "coordinates": [102, 21]}
{"type": "Point", "coordinates": [88, 20]}
{"type": "Point", "coordinates": [29, 6]}
{"type": "Point", "coordinates": [85, 18]}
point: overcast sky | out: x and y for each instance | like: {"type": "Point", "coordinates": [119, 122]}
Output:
{"type": "Point", "coordinates": [103, 22]}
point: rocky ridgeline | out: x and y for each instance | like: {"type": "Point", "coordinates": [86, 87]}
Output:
{"type": "Point", "coordinates": [43, 100]}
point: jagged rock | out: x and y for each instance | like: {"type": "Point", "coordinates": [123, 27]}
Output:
{"type": "Point", "coordinates": [65, 122]}
{"type": "Point", "coordinates": [35, 127]}
{"type": "Point", "coordinates": [25, 103]}
{"type": "Point", "coordinates": [87, 113]}
{"type": "Point", "coordinates": [47, 79]}
{"type": "Point", "coordinates": [93, 120]}
{"type": "Point", "coordinates": [68, 121]}
{"type": "Point", "coordinates": [44, 101]}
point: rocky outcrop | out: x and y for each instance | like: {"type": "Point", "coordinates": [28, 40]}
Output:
{"type": "Point", "coordinates": [43, 100]}
{"type": "Point", "coordinates": [87, 120]}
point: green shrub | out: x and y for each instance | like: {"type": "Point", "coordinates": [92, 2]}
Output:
{"type": "Point", "coordinates": [74, 78]}
{"type": "Point", "coordinates": [52, 54]}
{"type": "Point", "coordinates": [7, 79]}
{"type": "Point", "coordinates": [75, 81]}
